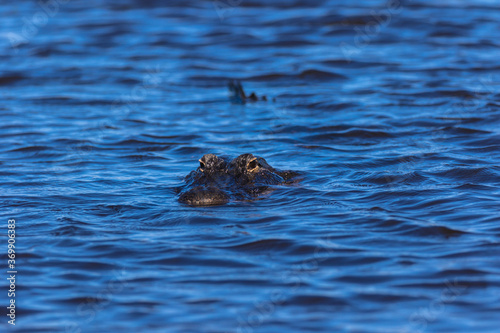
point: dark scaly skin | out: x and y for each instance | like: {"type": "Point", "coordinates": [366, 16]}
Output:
{"type": "Point", "coordinates": [249, 169]}
{"type": "Point", "coordinates": [217, 182]}
{"type": "Point", "coordinates": [204, 185]}
{"type": "Point", "coordinates": [210, 163]}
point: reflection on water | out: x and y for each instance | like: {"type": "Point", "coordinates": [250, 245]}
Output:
{"type": "Point", "coordinates": [390, 112]}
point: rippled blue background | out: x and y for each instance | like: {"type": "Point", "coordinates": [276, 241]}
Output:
{"type": "Point", "coordinates": [391, 114]}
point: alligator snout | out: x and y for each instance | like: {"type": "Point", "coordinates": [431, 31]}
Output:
{"type": "Point", "coordinates": [204, 196]}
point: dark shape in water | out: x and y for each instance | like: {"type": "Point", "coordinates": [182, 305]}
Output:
{"type": "Point", "coordinates": [237, 94]}
{"type": "Point", "coordinates": [217, 182]}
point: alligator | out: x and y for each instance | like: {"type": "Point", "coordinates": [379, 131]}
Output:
{"type": "Point", "coordinates": [237, 94]}
{"type": "Point", "coordinates": [218, 181]}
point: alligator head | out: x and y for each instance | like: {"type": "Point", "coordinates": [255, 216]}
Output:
{"type": "Point", "coordinates": [217, 181]}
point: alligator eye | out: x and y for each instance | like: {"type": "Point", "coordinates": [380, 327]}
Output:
{"type": "Point", "coordinates": [202, 165]}
{"type": "Point", "coordinates": [252, 165]}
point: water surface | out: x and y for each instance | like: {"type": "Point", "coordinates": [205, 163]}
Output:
{"type": "Point", "coordinates": [392, 117]}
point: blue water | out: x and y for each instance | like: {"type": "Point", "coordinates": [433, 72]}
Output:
{"type": "Point", "coordinates": [390, 114]}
